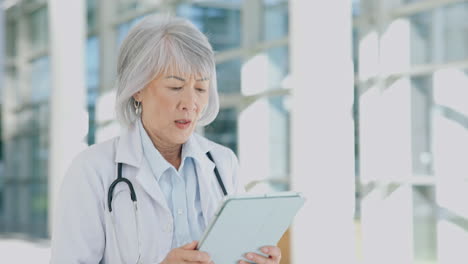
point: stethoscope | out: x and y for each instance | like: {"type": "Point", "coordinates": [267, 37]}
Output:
{"type": "Point", "coordinates": [135, 206]}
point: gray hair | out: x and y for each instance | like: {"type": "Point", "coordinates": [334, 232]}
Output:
{"type": "Point", "coordinates": [158, 45]}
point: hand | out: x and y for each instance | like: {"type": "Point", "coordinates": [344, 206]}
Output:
{"type": "Point", "coordinates": [273, 252]}
{"type": "Point", "coordinates": [187, 254]}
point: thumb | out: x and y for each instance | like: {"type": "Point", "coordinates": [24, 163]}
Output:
{"type": "Point", "coordinates": [190, 246]}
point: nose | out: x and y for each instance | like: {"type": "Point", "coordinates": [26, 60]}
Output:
{"type": "Point", "coordinates": [188, 100]}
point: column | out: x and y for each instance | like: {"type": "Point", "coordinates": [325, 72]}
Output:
{"type": "Point", "coordinates": [253, 124]}
{"type": "Point", "coordinates": [386, 146]}
{"type": "Point", "coordinates": [108, 44]}
{"type": "Point", "coordinates": [68, 120]}
{"type": "Point", "coordinates": [322, 131]}
{"type": "Point", "coordinates": [2, 84]}
{"type": "Point", "coordinates": [2, 48]}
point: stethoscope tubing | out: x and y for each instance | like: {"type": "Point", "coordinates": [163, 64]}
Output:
{"type": "Point", "coordinates": [133, 197]}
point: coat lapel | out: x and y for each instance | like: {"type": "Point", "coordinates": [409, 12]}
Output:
{"type": "Point", "coordinates": [130, 152]}
{"type": "Point", "coordinates": [209, 194]}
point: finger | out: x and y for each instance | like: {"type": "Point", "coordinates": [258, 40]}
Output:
{"type": "Point", "coordinates": [198, 262]}
{"type": "Point", "coordinates": [195, 256]}
{"type": "Point", "coordinates": [190, 246]}
{"type": "Point", "coordinates": [259, 259]}
{"type": "Point", "coordinates": [273, 251]}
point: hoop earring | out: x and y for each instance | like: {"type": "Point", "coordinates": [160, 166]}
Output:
{"type": "Point", "coordinates": [137, 106]}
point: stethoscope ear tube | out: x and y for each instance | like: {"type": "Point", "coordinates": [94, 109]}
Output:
{"type": "Point", "coordinates": [114, 183]}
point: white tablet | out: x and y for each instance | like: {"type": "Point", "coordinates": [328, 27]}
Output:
{"type": "Point", "coordinates": [245, 223]}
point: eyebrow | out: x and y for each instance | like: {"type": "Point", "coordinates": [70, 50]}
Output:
{"type": "Point", "coordinates": [175, 77]}
{"type": "Point", "coordinates": [183, 80]}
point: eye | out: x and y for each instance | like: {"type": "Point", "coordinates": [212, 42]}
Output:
{"type": "Point", "coordinates": [201, 90]}
{"type": "Point", "coordinates": [175, 88]}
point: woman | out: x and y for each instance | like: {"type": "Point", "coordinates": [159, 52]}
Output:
{"type": "Point", "coordinates": [166, 86]}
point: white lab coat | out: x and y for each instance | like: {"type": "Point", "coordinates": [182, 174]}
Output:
{"type": "Point", "coordinates": [82, 229]}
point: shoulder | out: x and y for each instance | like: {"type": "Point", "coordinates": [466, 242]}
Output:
{"type": "Point", "coordinates": [98, 154]}
{"type": "Point", "coordinates": [92, 165]}
{"type": "Point", "coordinates": [227, 162]}
{"type": "Point", "coordinates": [223, 156]}
{"type": "Point", "coordinates": [216, 149]}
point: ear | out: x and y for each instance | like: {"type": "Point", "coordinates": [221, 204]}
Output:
{"type": "Point", "coordinates": [137, 96]}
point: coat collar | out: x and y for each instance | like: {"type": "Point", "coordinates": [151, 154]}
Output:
{"type": "Point", "coordinates": [130, 151]}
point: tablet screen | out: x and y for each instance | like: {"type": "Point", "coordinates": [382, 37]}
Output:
{"type": "Point", "coordinates": [247, 222]}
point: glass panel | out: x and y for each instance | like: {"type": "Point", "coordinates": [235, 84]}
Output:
{"type": "Point", "coordinates": [1, 204]}
{"type": "Point", "coordinates": [455, 37]}
{"type": "Point", "coordinates": [221, 25]}
{"type": "Point", "coordinates": [275, 21]}
{"type": "Point", "coordinates": [421, 100]}
{"type": "Point", "coordinates": [11, 82]}
{"type": "Point", "coordinates": [421, 38]}
{"type": "Point", "coordinates": [26, 187]}
{"type": "Point", "coordinates": [424, 224]}
{"type": "Point", "coordinates": [413, 1]}
{"type": "Point", "coordinates": [39, 209]}
{"type": "Point", "coordinates": [355, 40]}
{"type": "Point", "coordinates": [224, 129]}
{"type": "Point", "coordinates": [279, 140]}
{"type": "Point", "coordinates": [229, 76]}
{"type": "Point", "coordinates": [92, 82]}
{"type": "Point", "coordinates": [264, 138]}
{"type": "Point", "coordinates": [38, 29]}
{"type": "Point", "coordinates": [24, 209]}
{"type": "Point", "coordinates": [265, 71]}
{"type": "Point", "coordinates": [278, 66]}
{"type": "Point", "coordinates": [127, 6]}
{"type": "Point", "coordinates": [40, 79]}
{"type": "Point", "coordinates": [92, 63]}
{"type": "Point", "coordinates": [273, 2]}
{"type": "Point", "coordinates": [123, 29]}
{"type": "Point", "coordinates": [12, 206]}
{"type": "Point", "coordinates": [11, 38]}
{"type": "Point", "coordinates": [37, 133]}
{"type": "Point", "coordinates": [440, 35]}
{"type": "Point", "coordinates": [356, 7]}
{"type": "Point", "coordinates": [91, 14]}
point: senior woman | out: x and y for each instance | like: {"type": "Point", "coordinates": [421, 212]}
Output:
{"type": "Point", "coordinates": [166, 86]}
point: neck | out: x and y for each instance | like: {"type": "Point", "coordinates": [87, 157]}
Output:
{"type": "Point", "coordinates": [170, 152]}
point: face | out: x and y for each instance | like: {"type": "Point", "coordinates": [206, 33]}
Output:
{"type": "Point", "coordinates": [171, 107]}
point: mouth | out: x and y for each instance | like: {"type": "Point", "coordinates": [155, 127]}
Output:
{"type": "Point", "coordinates": [183, 123]}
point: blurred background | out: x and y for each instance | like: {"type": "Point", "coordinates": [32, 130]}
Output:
{"type": "Point", "coordinates": [361, 105]}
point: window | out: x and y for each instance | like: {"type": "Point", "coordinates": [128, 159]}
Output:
{"type": "Point", "coordinates": [92, 83]}
{"type": "Point", "coordinates": [11, 38]}
{"type": "Point", "coordinates": [224, 129]}
{"type": "Point", "coordinates": [455, 32]}
{"type": "Point", "coordinates": [221, 25]}
{"type": "Point", "coordinates": [421, 38]}
{"type": "Point", "coordinates": [229, 76]}
{"type": "Point", "coordinates": [40, 79]}
{"type": "Point", "coordinates": [275, 20]}
{"type": "Point", "coordinates": [123, 29]}
{"type": "Point", "coordinates": [425, 224]}
{"type": "Point", "coordinates": [91, 14]}
{"type": "Point", "coordinates": [38, 29]}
